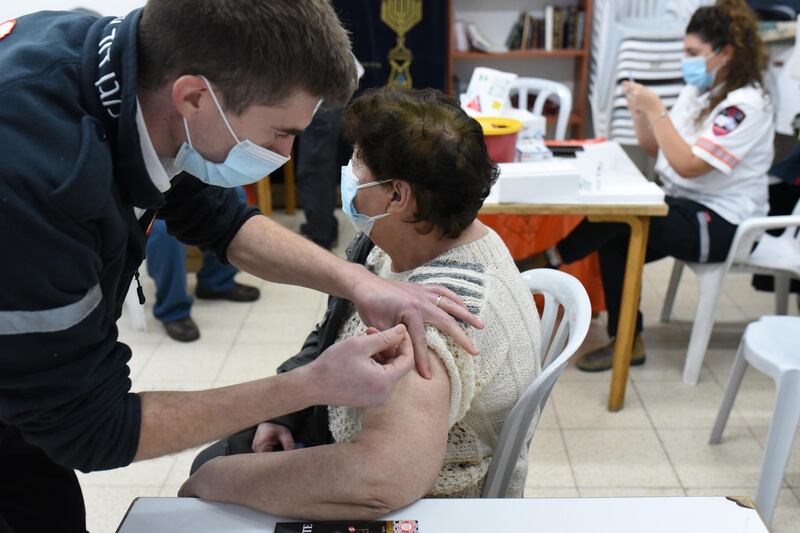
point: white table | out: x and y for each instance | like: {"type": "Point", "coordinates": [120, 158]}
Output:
{"type": "Point", "coordinates": [567, 515]}
{"type": "Point", "coordinates": [619, 175]}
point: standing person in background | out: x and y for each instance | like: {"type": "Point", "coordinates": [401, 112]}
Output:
{"type": "Point", "coordinates": [166, 264]}
{"type": "Point", "coordinates": [318, 176]}
{"type": "Point", "coordinates": [713, 151]}
{"type": "Point", "coordinates": [319, 147]}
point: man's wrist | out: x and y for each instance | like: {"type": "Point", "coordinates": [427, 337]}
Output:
{"type": "Point", "coordinates": [306, 384]}
{"type": "Point", "coordinates": [352, 280]}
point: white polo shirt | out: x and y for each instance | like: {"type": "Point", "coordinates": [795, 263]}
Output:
{"type": "Point", "coordinates": [736, 139]}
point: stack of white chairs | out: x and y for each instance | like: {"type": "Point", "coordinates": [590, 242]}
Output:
{"type": "Point", "coordinates": [640, 40]}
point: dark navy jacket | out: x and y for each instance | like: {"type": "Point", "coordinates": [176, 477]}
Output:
{"type": "Point", "coordinates": [71, 172]}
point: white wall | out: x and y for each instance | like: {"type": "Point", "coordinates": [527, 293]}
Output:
{"type": "Point", "coordinates": [15, 8]}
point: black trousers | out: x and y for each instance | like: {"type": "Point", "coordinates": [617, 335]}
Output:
{"type": "Point", "coordinates": [318, 175]}
{"type": "Point", "coordinates": [689, 232]}
{"type": "Point", "coordinates": [36, 494]}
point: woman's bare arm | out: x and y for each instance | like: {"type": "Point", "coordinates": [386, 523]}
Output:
{"type": "Point", "coordinates": [392, 462]}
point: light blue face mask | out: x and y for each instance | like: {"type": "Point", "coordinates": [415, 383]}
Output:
{"type": "Point", "coordinates": [245, 163]}
{"type": "Point", "coordinates": [349, 188]}
{"type": "Point", "coordinates": [695, 71]}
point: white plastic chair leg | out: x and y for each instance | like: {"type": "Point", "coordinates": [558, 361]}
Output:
{"type": "Point", "coordinates": [709, 291]}
{"type": "Point", "coordinates": [135, 310]}
{"type": "Point", "coordinates": [785, 418]}
{"type": "Point", "coordinates": [782, 295]}
{"type": "Point", "coordinates": [734, 381]}
{"type": "Point", "coordinates": [672, 290]}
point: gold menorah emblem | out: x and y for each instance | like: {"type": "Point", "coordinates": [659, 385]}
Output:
{"type": "Point", "coordinates": [401, 16]}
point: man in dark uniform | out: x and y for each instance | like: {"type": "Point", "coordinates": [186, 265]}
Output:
{"type": "Point", "coordinates": [108, 123]}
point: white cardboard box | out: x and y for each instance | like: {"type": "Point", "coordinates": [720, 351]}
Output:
{"type": "Point", "coordinates": [554, 180]}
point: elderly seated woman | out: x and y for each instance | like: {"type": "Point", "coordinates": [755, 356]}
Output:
{"type": "Point", "coordinates": [418, 176]}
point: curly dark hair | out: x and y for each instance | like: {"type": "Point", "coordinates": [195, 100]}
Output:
{"type": "Point", "coordinates": [423, 137]}
{"type": "Point", "coordinates": [731, 22]}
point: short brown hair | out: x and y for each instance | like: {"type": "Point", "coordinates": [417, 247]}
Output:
{"type": "Point", "coordinates": [423, 137]}
{"type": "Point", "coordinates": [255, 51]}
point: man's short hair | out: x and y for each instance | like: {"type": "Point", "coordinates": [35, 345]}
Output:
{"type": "Point", "coordinates": [257, 52]}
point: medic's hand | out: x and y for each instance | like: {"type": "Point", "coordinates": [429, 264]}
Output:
{"type": "Point", "coordinates": [269, 435]}
{"type": "Point", "coordinates": [362, 371]}
{"type": "Point", "coordinates": [641, 99]}
{"type": "Point", "coordinates": [382, 303]}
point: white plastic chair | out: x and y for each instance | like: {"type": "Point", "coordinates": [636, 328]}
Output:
{"type": "Point", "coordinates": [558, 345]}
{"type": "Point", "coordinates": [545, 89]}
{"type": "Point", "coordinates": [134, 309]}
{"type": "Point", "coordinates": [770, 346]}
{"type": "Point", "coordinates": [777, 256]}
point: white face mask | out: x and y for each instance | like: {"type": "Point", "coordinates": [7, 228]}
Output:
{"type": "Point", "coordinates": [245, 163]}
{"type": "Point", "coordinates": [349, 188]}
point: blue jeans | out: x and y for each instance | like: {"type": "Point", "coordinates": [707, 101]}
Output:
{"type": "Point", "coordinates": [166, 264]}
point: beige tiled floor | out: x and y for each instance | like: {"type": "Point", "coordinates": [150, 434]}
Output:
{"type": "Point", "coordinates": [656, 446]}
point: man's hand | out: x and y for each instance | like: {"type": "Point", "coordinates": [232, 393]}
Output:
{"type": "Point", "coordinates": [269, 435]}
{"type": "Point", "coordinates": [382, 303]}
{"type": "Point", "coordinates": [361, 371]}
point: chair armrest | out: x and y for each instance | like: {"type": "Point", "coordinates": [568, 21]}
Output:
{"type": "Point", "coordinates": [751, 229]}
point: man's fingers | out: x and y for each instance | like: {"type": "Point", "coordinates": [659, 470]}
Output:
{"type": "Point", "coordinates": [403, 362]}
{"type": "Point", "coordinates": [446, 294]}
{"type": "Point", "coordinates": [459, 312]}
{"type": "Point", "coordinates": [450, 327]}
{"type": "Point", "coordinates": [379, 341]}
{"type": "Point", "coordinates": [416, 330]}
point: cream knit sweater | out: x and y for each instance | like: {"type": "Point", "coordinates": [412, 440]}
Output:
{"type": "Point", "coordinates": [483, 389]}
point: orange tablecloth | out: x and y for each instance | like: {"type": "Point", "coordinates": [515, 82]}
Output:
{"type": "Point", "coordinates": [528, 234]}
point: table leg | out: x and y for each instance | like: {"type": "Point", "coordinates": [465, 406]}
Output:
{"type": "Point", "coordinates": [629, 305]}
{"type": "Point", "coordinates": [264, 196]}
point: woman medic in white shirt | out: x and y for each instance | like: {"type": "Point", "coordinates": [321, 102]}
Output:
{"type": "Point", "coordinates": [713, 151]}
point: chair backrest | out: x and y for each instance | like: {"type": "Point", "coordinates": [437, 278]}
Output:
{"type": "Point", "coordinates": [545, 89]}
{"type": "Point", "coordinates": [560, 341]}
{"type": "Point", "coordinates": [641, 8]}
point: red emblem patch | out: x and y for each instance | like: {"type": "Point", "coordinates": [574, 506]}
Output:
{"type": "Point", "coordinates": [7, 27]}
{"type": "Point", "coordinates": [405, 526]}
{"type": "Point", "coordinates": [727, 120]}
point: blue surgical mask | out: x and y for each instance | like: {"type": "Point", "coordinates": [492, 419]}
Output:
{"type": "Point", "coordinates": [245, 163]}
{"type": "Point", "coordinates": [349, 188]}
{"type": "Point", "coordinates": [695, 71]}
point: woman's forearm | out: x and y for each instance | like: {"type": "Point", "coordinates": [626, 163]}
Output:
{"type": "Point", "coordinates": [677, 151]}
{"type": "Point", "coordinates": [322, 483]}
{"type": "Point", "coordinates": [644, 134]}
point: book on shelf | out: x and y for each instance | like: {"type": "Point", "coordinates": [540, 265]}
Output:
{"type": "Point", "coordinates": [580, 29]}
{"type": "Point", "coordinates": [549, 16]}
{"type": "Point", "coordinates": [514, 38]}
{"type": "Point", "coordinates": [558, 28]}
{"type": "Point", "coordinates": [554, 28]}
{"type": "Point", "coordinates": [526, 30]}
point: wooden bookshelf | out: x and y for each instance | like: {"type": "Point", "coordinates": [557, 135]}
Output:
{"type": "Point", "coordinates": [579, 57]}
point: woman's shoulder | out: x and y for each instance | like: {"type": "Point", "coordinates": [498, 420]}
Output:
{"type": "Point", "coordinates": [753, 96]}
